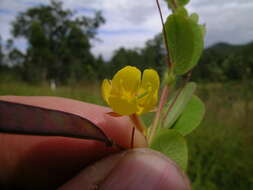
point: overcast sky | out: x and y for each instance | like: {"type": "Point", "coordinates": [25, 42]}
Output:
{"type": "Point", "coordinates": [130, 23]}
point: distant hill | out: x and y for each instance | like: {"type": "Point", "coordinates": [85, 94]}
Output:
{"type": "Point", "coordinates": [225, 62]}
{"type": "Point", "coordinates": [226, 48]}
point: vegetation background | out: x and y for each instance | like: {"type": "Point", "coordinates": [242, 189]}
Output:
{"type": "Point", "coordinates": [59, 53]}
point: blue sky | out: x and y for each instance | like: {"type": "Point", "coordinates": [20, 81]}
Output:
{"type": "Point", "coordinates": [130, 23]}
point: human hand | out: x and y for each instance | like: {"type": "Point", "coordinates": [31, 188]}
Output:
{"type": "Point", "coordinates": [34, 162]}
{"type": "Point", "coordinates": [136, 169]}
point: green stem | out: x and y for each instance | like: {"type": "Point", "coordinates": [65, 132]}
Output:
{"type": "Point", "coordinates": [138, 123]}
{"type": "Point", "coordinates": [155, 124]}
{"type": "Point", "coordinates": [168, 61]}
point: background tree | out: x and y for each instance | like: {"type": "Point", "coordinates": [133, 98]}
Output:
{"type": "Point", "coordinates": [224, 62]}
{"type": "Point", "coordinates": [101, 68]}
{"type": "Point", "coordinates": [154, 54]}
{"type": "Point", "coordinates": [151, 56]}
{"type": "Point", "coordinates": [58, 43]}
{"type": "Point", "coordinates": [1, 52]}
{"type": "Point", "coordinates": [123, 57]}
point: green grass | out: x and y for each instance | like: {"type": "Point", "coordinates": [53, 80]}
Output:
{"type": "Point", "coordinates": [220, 150]}
{"type": "Point", "coordinates": [83, 92]}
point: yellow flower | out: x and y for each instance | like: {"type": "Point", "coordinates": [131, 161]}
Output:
{"type": "Point", "coordinates": [127, 93]}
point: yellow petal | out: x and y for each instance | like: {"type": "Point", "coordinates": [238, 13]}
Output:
{"type": "Point", "coordinates": [149, 87]}
{"type": "Point", "coordinates": [123, 106]}
{"type": "Point", "coordinates": [127, 81]}
{"type": "Point", "coordinates": [150, 78]}
{"type": "Point", "coordinates": [106, 90]}
{"type": "Point", "coordinates": [147, 103]}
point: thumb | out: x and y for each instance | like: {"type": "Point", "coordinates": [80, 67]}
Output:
{"type": "Point", "coordinates": [136, 169]}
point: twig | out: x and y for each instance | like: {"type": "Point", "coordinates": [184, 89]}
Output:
{"type": "Point", "coordinates": [163, 100]}
{"type": "Point", "coordinates": [132, 137]}
{"type": "Point", "coordinates": [138, 123]}
{"type": "Point", "coordinates": [168, 61]}
{"type": "Point", "coordinates": [165, 91]}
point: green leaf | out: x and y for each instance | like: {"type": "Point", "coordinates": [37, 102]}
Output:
{"type": "Point", "coordinates": [203, 29]}
{"type": "Point", "coordinates": [185, 42]}
{"type": "Point", "coordinates": [191, 116]}
{"type": "Point", "coordinates": [180, 103]}
{"type": "Point", "coordinates": [175, 3]}
{"type": "Point", "coordinates": [183, 2]}
{"type": "Point", "coordinates": [194, 17]}
{"type": "Point", "coordinates": [182, 11]}
{"type": "Point", "coordinates": [172, 144]}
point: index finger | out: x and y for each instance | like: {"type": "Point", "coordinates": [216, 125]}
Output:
{"type": "Point", "coordinates": [51, 160]}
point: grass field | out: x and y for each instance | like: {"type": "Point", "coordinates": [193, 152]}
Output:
{"type": "Point", "coordinates": [83, 92]}
{"type": "Point", "coordinates": [220, 150]}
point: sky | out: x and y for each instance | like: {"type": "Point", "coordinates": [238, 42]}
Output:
{"type": "Point", "coordinates": [130, 23]}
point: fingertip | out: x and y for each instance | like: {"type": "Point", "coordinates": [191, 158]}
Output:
{"type": "Point", "coordinates": [130, 170]}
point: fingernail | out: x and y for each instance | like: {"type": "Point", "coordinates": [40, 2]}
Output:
{"type": "Point", "coordinates": [145, 169]}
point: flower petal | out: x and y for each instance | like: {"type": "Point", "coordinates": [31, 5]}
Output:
{"type": "Point", "coordinates": [106, 90]}
{"type": "Point", "coordinates": [127, 81]}
{"type": "Point", "coordinates": [149, 86]}
{"type": "Point", "coordinates": [147, 103]}
{"type": "Point", "coordinates": [122, 106]}
{"type": "Point", "coordinates": [127, 94]}
{"type": "Point", "coordinates": [150, 78]}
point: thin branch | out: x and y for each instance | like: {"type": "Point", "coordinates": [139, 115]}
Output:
{"type": "Point", "coordinates": [132, 138]}
{"type": "Point", "coordinates": [164, 36]}
{"type": "Point", "coordinates": [165, 91]}
{"type": "Point", "coordinates": [162, 102]}
{"type": "Point", "coordinates": [138, 123]}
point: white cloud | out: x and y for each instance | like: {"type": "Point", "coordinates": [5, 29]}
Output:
{"type": "Point", "coordinates": [226, 21]}
{"type": "Point", "coordinates": [113, 42]}
{"type": "Point", "coordinates": [130, 23]}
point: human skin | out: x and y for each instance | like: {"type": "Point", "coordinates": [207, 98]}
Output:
{"type": "Point", "coordinates": [36, 162]}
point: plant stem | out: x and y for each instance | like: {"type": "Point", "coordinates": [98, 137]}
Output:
{"type": "Point", "coordinates": [132, 137]}
{"type": "Point", "coordinates": [138, 123]}
{"type": "Point", "coordinates": [165, 91]}
{"type": "Point", "coordinates": [168, 61]}
{"type": "Point", "coordinates": [162, 102]}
